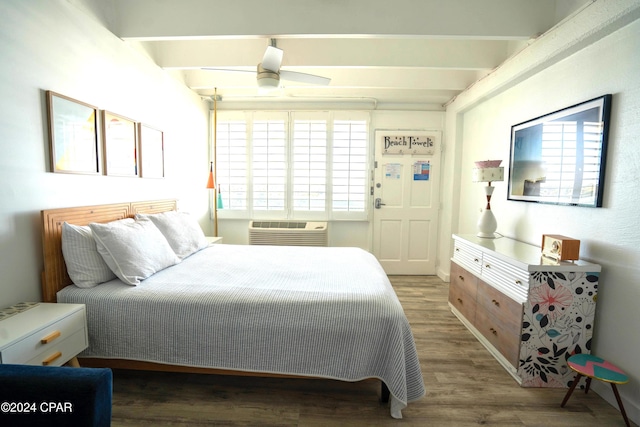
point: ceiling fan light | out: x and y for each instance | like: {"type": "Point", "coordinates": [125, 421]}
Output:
{"type": "Point", "coordinates": [268, 83]}
{"type": "Point", "coordinates": [268, 80]}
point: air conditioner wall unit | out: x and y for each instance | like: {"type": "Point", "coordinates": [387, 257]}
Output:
{"type": "Point", "coordinates": [288, 233]}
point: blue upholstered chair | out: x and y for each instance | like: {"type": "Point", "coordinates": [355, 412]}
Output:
{"type": "Point", "coordinates": [55, 396]}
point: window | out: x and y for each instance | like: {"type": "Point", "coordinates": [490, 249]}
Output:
{"type": "Point", "coordinates": [269, 165]}
{"type": "Point", "coordinates": [293, 165]}
{"type": "Point", "coordinates": [309, 165]}
{"type": "Point", "coordinates": [349, 165]}
{"type": "Point", "coordinates": [232, 164]}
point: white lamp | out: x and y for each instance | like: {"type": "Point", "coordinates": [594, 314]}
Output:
{"type": "Point", "coordinates": [488, 171]}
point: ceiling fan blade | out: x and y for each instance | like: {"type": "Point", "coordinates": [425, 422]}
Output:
{"type": "Point", "coordinates": [272, 59]}
{"type": "Point", "coordinates": [233, 70]}
{"type": "Point", "coordinates": [304, 78]}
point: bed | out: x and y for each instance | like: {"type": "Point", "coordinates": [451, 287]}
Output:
{"type": "Point", "coordinates": [246, 310]}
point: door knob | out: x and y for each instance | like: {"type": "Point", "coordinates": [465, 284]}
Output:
{"type": "Point", "coordinates": [378, 203]}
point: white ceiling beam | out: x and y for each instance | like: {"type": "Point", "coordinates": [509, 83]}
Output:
{"type": "Point", "coordinates": [484, 19]}
{"type": "Point", "coordinates": [229, 97]}
{"type": "Point", "coordinates": [454, 54]}
{"type": "Point", "coordinates": [399, 78]}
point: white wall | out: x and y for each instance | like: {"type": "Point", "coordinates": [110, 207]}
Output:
{"type": "Point", "coordinates": [479, 126]}
{"type": "Point", "coordinates": [53, 45]}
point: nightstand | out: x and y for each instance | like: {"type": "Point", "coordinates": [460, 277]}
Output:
{"type": "Point", "coordinates": [47, 334]}
{"type": "Point", "coordinates": [213, 240]}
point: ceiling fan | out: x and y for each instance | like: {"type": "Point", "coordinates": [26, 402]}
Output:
{"type": "Point", "coordinates": [268, 73]}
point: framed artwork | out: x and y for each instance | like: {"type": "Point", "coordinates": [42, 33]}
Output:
{"type": "Point", "coordinates": [151, 152]}
{"type": "Point", "coordinates": [560, 158]}
{"type": "Point", "coordinates": [74, 139]}
{"type": "Point", "coordinates": [120, 145]}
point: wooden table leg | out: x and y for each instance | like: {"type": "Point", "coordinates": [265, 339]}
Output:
{"type": "Point", "coordinates": [624, 414]}
{"type": "Point", "coordinates": [73, 362]}
{"type": "Point", "coordinates": [573, 386]}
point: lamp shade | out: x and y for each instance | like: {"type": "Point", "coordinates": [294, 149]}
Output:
{"type": "Point", "coordinates": [488, 174]}
{"type": "Point", "coordinates": [210, 183]}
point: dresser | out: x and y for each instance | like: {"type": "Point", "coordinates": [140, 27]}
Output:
{"type": "Point", "coordinates": [531, 313]}
{"type": "Point", "coordinates": [47, 334]}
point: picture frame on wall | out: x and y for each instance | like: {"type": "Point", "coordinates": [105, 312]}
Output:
{"type": "Point", "coordinates": [151, 151]}
{"type": "Point", "coordinates": [120, 145]}
{"type": "Point", "coordinates": [74, 135]}
{"type": "Point", "coordinates": [560, 158]}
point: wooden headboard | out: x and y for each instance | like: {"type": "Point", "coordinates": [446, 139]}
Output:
{"type": "Point", "coordinates": [54, 275]}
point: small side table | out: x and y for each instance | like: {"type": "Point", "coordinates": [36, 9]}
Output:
{"type": "Point", "coordinates": [590, 366]}
{"type": "Point", "coordinates": [49, 334]}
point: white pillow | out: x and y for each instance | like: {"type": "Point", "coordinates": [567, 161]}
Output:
{"type": "Point", "coordinates": [85, 265]}
{"type": "Point", "coordinates": [133, 251]}
{"type": "Point", "coordinates": [181, 230]}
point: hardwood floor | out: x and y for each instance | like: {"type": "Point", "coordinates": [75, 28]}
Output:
{"type": "Point", "coordinates": [465, 387]}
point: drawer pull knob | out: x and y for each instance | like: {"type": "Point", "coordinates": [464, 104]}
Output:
{"type": "Point", "coordinates": [49, 360]}
{"type": "Point", "coordinates": [52, 336]}
{"type": "Point", "coordinates": [476, 260]}
{"type": "Point", "coordinates": [518, 282]}
{"type": "Point", "coordinates": [496, 303]}
{"type": "Point", "coordinates": [457, 249]}
{"type": "Point", "coordinates": [493, 331]}
{"type": "Point", "coordinates": [460, 300]}
{"type": "Point", "coordinates": [487, 266]}
{"type": "Point", "coordinates": [461, 278]}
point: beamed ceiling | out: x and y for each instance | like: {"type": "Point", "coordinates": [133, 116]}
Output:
{"type": "Point", "coordinates": [418, 52]}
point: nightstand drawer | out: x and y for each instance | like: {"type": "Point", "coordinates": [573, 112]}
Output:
{"type": "Point", "coordinates": [61, 351]}
{"type": "Point", "coordinates": [41, 340]}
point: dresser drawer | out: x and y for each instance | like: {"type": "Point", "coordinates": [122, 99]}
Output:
{"type": "Point", "coordinates": [501, 335]}
{"type": "Point", "coordinates": [468, 257]}
{"type": "Point", "coordinates": [462, 301]}
{"type": "Point", "coordinates": [499, 305]}
{"type": "Point", "coordinates": [32, 345]}
{"type": "Point", "coordinates": [464, 280]}
{"type": "Point", "coordinates": [506, 277]}
{"type": "Point", "coordinates": [61, 351]}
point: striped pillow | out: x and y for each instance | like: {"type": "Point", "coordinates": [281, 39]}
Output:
{"type": "Point", "coordinates": [85, 265]}
{"type": "Point", "coordinates": [133, 251]}
{"type": "Point", "coordinates": [181, 230]}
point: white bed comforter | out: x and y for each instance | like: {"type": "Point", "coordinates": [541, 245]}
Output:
{"type": "Point", "coordinates": [322, 312]}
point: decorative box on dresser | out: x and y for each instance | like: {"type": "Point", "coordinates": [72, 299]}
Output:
{"type": "Point", "coordinates": [530, 313]}
{"type": "Point", "coordinates": [49, 334]}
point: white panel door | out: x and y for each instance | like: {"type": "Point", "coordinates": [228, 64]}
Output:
{"type": "Point", "coordinates": [406, 205]}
